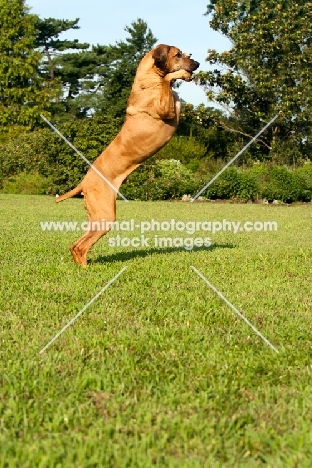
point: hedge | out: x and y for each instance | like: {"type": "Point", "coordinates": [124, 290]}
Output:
{"type": "Point", "coordinates": [44, 152]}
{"type": "Point", "coordinates": [40, 162]}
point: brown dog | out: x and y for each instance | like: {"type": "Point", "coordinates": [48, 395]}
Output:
{"type": "Point", "coordinates": [153, 113]}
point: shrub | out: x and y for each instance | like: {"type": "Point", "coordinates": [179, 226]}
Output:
{"type": "Point", "coordinates": [248, 187]}
{"type": "Point", "coordinates": [41, 162]}
{"type": "Point", "coordinates": [226, 186]}
{"type": "Point", "coordinates": [138, 184]}
{"type": "Point", "coordinates": [287, 186]}
{"type": "Point", "coordinates": [173, 179]}
{"type": "Point", "coordinates": [25, 153]}
{"type": "Point", "coordinates": [45, 152]}
{"type": "Point", "coordinates": [233, 184]}
{"type": "Point", "coordinates": [27, 184]}
{"type": "Point", "coordinates": [185, 149]}
{"type": "Point", "coordinates": [162, 180]}
{"type": "Point", "coordinates": [305, 173]}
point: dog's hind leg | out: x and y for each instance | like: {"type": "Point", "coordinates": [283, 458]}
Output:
{"type": "Point", "coordinates": [80, 248]}
{"type": "Point", "coordinates": [100, 220]}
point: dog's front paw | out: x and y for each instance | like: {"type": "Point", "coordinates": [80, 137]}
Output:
{"type": "Point", "coordinates": [179, 75]}
{"type": "Point", "coordinates": [186, 76]}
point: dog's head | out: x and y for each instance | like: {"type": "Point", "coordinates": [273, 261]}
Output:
{"type": "Point", "coordinates": [169, 59]}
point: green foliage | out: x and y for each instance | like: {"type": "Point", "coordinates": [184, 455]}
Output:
{"type": "Point", "coordinates": [37, 72]}
{"type": "Point", "coordinates": [44, 151]}
{"type": "Point", "coordinates": [173, 179]}
{"type": "Point", "coordinates": [248, 188]}
{"type": "Point", "coordinates": [62, 69]}
{"type": "Point", "coordinates": [263, 182]}
{"type": "Point", "coordinates": [306, 173]}
{"type": "Point", "coordinates": [118, 70]}
{"type": "Point", "coordinates": [97, 80]}
{"type": "Point", "coordinates": [188, 150]}
{"type": "Point", "coordinates": [25, 153]}
{"type": "Point", "coordinates": [288, 152]}
{"type": "Point", "coordinates": [233, 184]}
{"type": "Point", "coordinates": [169, 179]}
{"type": "Point", "coordinates": [27, 184]}
{"type": "Point", "coordinates": [202, 124]}
{"type": "Point", "coordinates": [226, 186]}
{"type": "Point", "coordinates": [90, 136]}
{"type": "Point", "coordinates": [47, 39]}
{"type": "Point", "coordinates": [23, 92]}
{"type": "Point", "coordinates": [162, 177]}
{"type": "Point", "coordinates": [268, 69]}
{"type": "Point", "coordinates": [287, 186]}
{"type": "Point", "coordinates": [162, 180]}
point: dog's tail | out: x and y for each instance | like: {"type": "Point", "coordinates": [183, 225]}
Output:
{"type": "Point", "coordinates": [70, 194]}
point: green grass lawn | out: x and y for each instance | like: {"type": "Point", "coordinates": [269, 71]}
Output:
{"type": "Point", "coordinates": [158, 371]}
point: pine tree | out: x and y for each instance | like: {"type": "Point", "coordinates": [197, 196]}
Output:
{"type": "Point", "coordinates": [24, 94]}
{"type": "Point", "coordinates": [118, 64]}
{"type": "Point", "coordinates": [51, 46]}
{"type": "Point", "coordinates": [63, 68]}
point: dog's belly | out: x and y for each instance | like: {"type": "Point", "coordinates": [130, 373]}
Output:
{"type": "Point", "coordinates": [140, 137]}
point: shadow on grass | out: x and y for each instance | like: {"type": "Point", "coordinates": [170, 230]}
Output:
{"type": "Point", "coordinates": [129, 255]}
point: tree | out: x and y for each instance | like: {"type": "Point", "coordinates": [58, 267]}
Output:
{"type": "Point", "coordinates": [267, 71]}
{"type": "Point", "coordinates": [47, 39]}
{"type": "Point", "coordinates": [201, 124]}
{"type": "Point", "coordinates": [118, 67]}
{"type": "Point", "coordinates": [96, 80]}
{"type": "Point", "coordinates": [64, 69]}
{"type": "Point", "coordinates": [23, 92]}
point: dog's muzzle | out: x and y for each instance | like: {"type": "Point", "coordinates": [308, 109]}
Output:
{"type": "Point", "coordinates": [195, 65]}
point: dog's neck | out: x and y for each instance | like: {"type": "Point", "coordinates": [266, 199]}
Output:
{"type": "Point", "coordinates": [148, 72]}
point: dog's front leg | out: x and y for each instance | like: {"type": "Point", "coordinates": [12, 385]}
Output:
{"type": "Point", "coordinates": [166, 108]}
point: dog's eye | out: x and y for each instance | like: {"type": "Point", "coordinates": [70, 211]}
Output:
{"type": "Point", "coordinates": [179, 54]}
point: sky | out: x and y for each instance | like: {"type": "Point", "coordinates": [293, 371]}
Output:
{"type": "Point", "coordinates": [175, 22]}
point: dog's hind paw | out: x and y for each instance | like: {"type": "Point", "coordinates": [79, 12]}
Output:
{"type": "Point", "coordinates": [80, 259]}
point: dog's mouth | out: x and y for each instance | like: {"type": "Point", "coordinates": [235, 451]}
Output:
{"type": "Point", "coordinates": [192, 66]}
{"type": "Point", "coordinates": [184, 63]}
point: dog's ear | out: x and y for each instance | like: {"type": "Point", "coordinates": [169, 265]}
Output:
{"type": "Point", "coordinates": [160, 56]}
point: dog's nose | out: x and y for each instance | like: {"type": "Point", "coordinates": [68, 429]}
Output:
{"type": "Point", "coordinates": [196, 64]}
